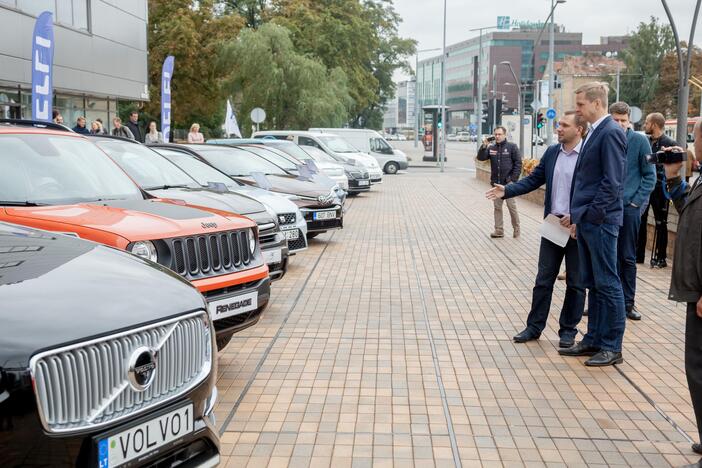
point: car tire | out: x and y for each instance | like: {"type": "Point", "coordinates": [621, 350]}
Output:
{"type": "Point", "coordinates": [391, 168]}
{"type": "Point", "coordinates": [223, 341]}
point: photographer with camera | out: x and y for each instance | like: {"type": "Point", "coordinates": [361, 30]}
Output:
{"type": "Point", "coordinates": [505, 168]}
{"type": "Point", "coordinates": [686, 281]}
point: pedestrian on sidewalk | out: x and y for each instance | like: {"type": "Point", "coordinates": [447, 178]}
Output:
{"type": "Point", "coordinates": [654, 126]}
{"type": "Point", "coordinates": [120, 130]}
{"type": "Point", "coordinates": [505, 168]}
{"type": "Point", "coordinates": [686, 280]}
{"type": "Point", "coordinates": [153, 135]}
{"type": "Point", "coordinates": [133, 126]}
{"type": "Point", "coordinates": [555, 170]}
{"type": "Point", "coordinates": [194, 136]}
{"type": "Point", "coordinates": [597, 209]}
{"type": "Point", "coordinates": [638, 185]}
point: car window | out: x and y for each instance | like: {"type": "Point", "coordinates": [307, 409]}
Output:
{"type": "Point", "coordinates": [305, 141]}
{"type": "Point", "coordinates": [270, 155]}
{"type": "Point", "coordinates": [237, 162]}
{"type": "Point", "coordinates": [198, 170]}
{"type": "Point", "coordinates": [290, 149]}
{"type": "Point", "coordinates": [53, 169]}
{"type": "Point", "coordinates": [148, 169]}
{"type": "Point", "coordinates": [337, 144]}
{"type": "Point", "coordinates": [319, 155]}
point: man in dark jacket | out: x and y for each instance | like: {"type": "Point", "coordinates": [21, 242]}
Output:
{"type": "Point", "coordinates": [597, 209]}
{"type": "Point", "coordinates": [555, 170]}
{"type": "Point", "coordinates": [80, 126]}
{"type": "Point", "coordinates": [686, 281]}
{"type": "Point", "coordinates": [506, 166]}
{"type": "Point", "coordinates": [133, 126]}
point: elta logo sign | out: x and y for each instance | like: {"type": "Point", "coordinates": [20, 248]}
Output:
{"type": "Point", "coordinates": [166, 75]}
{"type": "Point", "coordinates": [42, 61]}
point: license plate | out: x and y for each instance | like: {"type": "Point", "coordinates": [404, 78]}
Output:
{"type": "Point", "coordinates": [272, 256]}
{"type": "Point", "coordinates": [319, 215]}
{"type": "Point", "coordinates": [145, 438]}
{"type": "Point", "coordinates": [362, 183]}
{"type": "Point", "coordinates": [234, 305]}
{"type": "Point", "coordinates": [292, 235]}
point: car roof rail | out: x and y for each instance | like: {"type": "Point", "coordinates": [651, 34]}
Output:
{"type": "Point", "coordinates": [36, 123]}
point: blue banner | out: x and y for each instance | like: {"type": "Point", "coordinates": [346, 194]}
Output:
{"type": "Point", "coordinates": [42, 64]}
{"type": "Point", "coordinates": [166, 76]}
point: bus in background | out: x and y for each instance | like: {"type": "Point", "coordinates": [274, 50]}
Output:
{"type": "Point", "coordinates": [671, 129]}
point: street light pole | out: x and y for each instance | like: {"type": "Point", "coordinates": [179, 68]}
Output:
{"type": "Point", "coordinates": [416, 93]}
{"type": "Point", "coordinates": [494, 97]}
{"type": "Point", "coordinates": [442, 130]}
{"type": "Point", "coordinates": [518, 84]}
{"type": "Point", "coordinates": [551, 40]}
{"type": "Point", "coordinates": [478, 106]}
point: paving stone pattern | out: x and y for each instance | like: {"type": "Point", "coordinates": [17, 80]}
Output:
{"type": "Point", "coordinates": [389, 344]}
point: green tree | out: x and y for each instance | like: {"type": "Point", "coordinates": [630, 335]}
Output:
{"type": "Point", "coordinates": [295, 91]}
{"type": "Point", "coordinates": [192, 32]}
{"type": "Point", "coordinates": [253, 11]}
{"type": "Point", "coordinates": [665, 100]}
{"type": "Point", "coordinates": [643, 58]}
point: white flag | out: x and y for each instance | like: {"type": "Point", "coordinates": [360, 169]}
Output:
{"type": "Point", "coordinates": [230, 125]}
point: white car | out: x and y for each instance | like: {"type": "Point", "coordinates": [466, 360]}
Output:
{"type": "Point", "coordinates": [291, 220]}
{"type": "Point", "coordinates": [463, 136]}
{"type": "Point", "coordinates": [333, 145]}
{"type": "Point", "coordinates": [452, 137]}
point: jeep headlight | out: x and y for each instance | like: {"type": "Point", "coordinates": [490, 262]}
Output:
{"type": "Point", "coordinates": [252, 241]}
{"type": "Point", "coordinates": [145, 249]}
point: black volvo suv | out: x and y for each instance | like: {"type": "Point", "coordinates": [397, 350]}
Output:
{"type": "Point", "coordinates": [106, 359]}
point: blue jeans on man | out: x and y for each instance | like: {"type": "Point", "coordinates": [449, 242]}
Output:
{"type": "Point", "coordinates": [597, 247]}
{"type": "Point", "coordinates": [550, 259]}
{"type": "Point", "coordinates": [626, 252]}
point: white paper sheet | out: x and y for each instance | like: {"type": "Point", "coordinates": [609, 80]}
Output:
{"type": "Point", "coordinates": [552, 230]}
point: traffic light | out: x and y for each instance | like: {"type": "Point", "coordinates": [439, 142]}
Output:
{"type": "Point", "coordinates": [541, 120]}
{"type": "Point", "coordinates": [439, 123]}
{"type": "Point", "coordinates": [484, 112]}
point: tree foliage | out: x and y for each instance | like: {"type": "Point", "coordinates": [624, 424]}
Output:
{"type": "Point", "coordinates": [295, 91]}
{"type": "Point", "coordinates": [192, 32]}
{"type": "Point", "coordinates": [648, 46]}
{"type": "Point", "coordinates": [665, 99]}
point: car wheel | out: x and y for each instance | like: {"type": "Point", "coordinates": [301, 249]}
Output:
{"type": "Point", "coordinates": [391, 168]}
{"type": "Point", "coordinates": [223, 341]}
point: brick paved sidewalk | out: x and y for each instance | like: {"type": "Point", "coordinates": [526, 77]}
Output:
{"type": "Point", "coordinates": [389, 344]}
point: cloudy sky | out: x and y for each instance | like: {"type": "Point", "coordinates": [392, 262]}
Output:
{"type": "Point", "coordinates": [423, 19]}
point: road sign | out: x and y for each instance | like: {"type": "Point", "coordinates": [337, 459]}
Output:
{"type": "Point", "coordinates": [258, 115]}
{"type": "Point", "coordinates": [551, 113]}
{"type": "Point", "coordinates": [536, 104]}
{"type": "Point", "coordinates": [472, 127]}
{"type": "Point", "coordinates": [636, 114]}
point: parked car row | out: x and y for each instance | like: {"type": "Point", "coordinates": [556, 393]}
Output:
{"type": "Point", "coordinates": [141, 262]}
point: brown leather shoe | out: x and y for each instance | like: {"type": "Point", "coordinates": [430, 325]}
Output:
{"type": "Point", "coordinates": [496, 235]}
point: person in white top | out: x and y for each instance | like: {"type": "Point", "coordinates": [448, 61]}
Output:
{"type": "Point", "coordinates": [195, 136]}
{"type": "Point", "coordinates": [153, 135]}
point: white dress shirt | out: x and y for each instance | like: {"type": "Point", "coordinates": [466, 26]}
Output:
{"type": "Point", "coordinates": [593, 127]}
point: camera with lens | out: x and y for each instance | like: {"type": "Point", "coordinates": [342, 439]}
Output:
{"type": "Point", "coordinates": [666, 157]}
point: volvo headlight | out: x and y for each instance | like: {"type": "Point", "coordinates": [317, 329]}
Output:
{"type": "Point", "coordinates": [145, 249]}
{"type": "Point", "coordinates": [252, 241]}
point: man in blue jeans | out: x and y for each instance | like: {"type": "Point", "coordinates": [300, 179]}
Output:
{"type": "Point", "coordinates": [638, 185]}
{"type": "Point", "coordinates": [597, 211]}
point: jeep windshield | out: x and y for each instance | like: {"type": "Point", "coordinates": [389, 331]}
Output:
{"type": "Point", "coordinates": [236, 162]}
{"type": "Point", "coordinates": [40, 169]}
{"type": "Point", "coordinates": [202, 172]}
{"type": "Point", "coordinates": [148, 168]}
{"type": "Point", "coordinates": [336, 144]}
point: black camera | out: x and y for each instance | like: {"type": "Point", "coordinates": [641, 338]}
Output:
{"type": "Point", "coordinates": [666, 157]}
{"type": "Point", "coordinates": [490, 138]}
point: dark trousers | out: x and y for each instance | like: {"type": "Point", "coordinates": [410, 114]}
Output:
{"type": "Point", "coordinates": [660, 212]}
{"type": "Point", "coordinates": [550, 259]}
{"type": "Point", "coordinates": [693, 361]}
{"type": "Point", "coordinates": [597, 248]}
{"type": "Point", "coordinates": [626, 253]}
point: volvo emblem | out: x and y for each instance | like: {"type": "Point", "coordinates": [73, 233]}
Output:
{"type": "Point", "coordinates": [142, 368]}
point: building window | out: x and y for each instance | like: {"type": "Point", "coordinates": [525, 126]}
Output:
{"type": "Point", "coordinates": [72, 13]}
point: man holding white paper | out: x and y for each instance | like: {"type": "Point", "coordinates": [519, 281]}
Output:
{"type": "Point", "coordinates": [555, 171]}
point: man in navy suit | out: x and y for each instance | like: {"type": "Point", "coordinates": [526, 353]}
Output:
{"type": "Point", "coordinates": [556, 171]}
{"type": "Point", "coordinates": [597, 209]}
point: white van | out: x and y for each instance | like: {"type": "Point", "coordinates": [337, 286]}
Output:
{"type": "Point", "coordinates": [373, 143]}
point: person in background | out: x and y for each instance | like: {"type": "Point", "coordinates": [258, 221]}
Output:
{"type": "Point", "coordinates": [654, 126]}
{"type": "Point", "coordinates": [639, 182]}
{"type": "Point", "coordinates": [153, 135]}
{"type": "Point", "coordinates": [505, 168]}
{"type": "Point", "coordinates": [194, 136]}
{"type": "Point", "coordinates": [80, 126]}
{"type": "Point", "coordinates": [555, 170]}
{"type": "Point", "coordinates": [120, 130]}
{"type": "Point", "coordinates": [133, 126]}
{"type": "Point", "coordinates": [102, 126]}
{"type": "Point", "coordinates": [95, 128]}
{"type": "Point", "coordinates": [57, 117]}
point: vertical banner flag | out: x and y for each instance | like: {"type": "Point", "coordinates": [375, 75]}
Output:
{"type": "Point", "coordinates": [166, 76]}
{"type": "Point", "coordinates": [231, 127]}
{"type": "Point", "coordinates": [42, 64]}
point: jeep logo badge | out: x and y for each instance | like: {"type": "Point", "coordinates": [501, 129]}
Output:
{"type": "Point", "coordinates": [208, 225]}
{"type": "Point", "coordinates": [142, 368]}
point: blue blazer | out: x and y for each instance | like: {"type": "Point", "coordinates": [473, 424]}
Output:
{"type": "Point", "coordinates": [597, 193]}
{"type": "Point", "coordinates": [542, 174]}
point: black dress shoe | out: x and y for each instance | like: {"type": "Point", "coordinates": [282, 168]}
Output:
{"type": "Point", "coordinates": [697, 448]}
{"type": "Point", "coordinates": [579, 349]}
{"type": "Point", "coordinates": [632, 313]}
{"type": "Point", "coordinates": [566, 343]}
{"type": "Point", "coordinates": [526, 335]}
{"type": "Point", "coordinates": [605, 358]}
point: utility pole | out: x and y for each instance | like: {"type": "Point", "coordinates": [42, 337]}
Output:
{"type": "Point", "coordinates": [520, 96]}
{"type": "Point", "coordinates": [494, 97]}
{"type": "Point", "coordinates": [683, 72]}
{"type": "Point", "coordinates": [442, 130]}
{"type": "Point", "coordinates": [551, 40]}
{"type": "Point", "coordinates": [478, 104]}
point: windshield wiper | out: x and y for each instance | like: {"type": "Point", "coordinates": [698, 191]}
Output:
{"type": "Point", "coordinates": [165, 187]}
{"type": "Point", "coordinates": [21, 203]}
